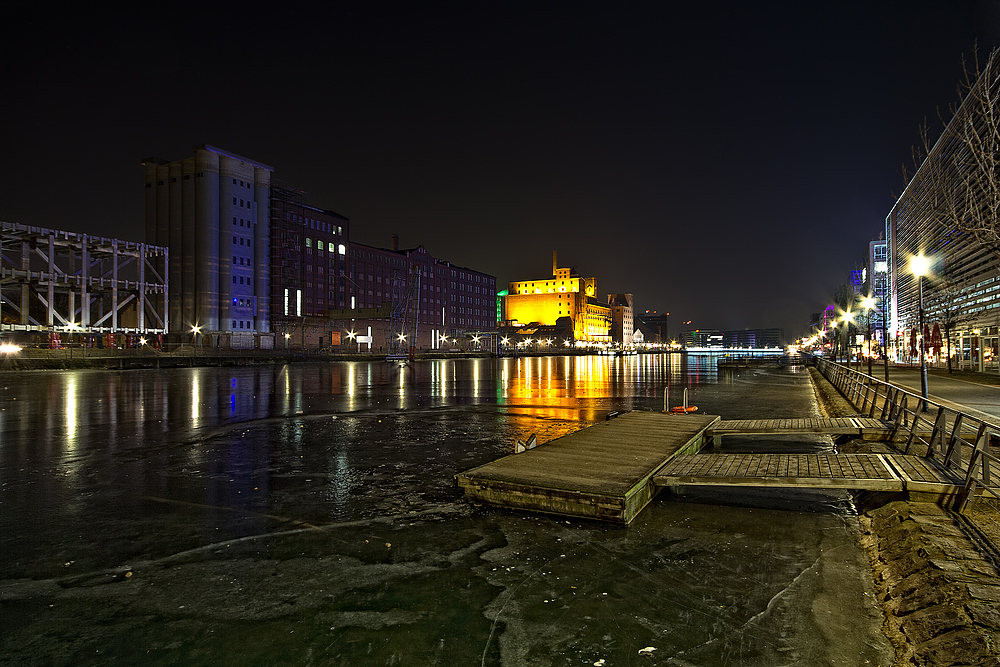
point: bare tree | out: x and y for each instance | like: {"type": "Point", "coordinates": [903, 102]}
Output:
{"type": "Point", "coordinates": [945, 303]}
{"type": "Point", "coordinates": [844, 298]}
{"type": "Point", "coordinates": [958, 176]}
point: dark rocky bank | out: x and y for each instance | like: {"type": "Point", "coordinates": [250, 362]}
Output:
{"type": "Point", "coordinates": [935, 571]}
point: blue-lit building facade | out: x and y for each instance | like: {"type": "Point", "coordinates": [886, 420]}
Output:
{"type": "Point", "coordinates": [212, 211]}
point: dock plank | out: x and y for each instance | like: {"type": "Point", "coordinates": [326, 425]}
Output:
{"type": "Point", "coordinates": [602, 472]}
{"type": "Point", "coordinates": [877, 472]}
{"type": "Point", "coordinates": [863, 426]}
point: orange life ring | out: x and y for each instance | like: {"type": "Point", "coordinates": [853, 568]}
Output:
{"type": "Point", "coordinates": [680, 409]}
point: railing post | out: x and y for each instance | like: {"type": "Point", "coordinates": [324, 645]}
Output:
{"type": "Point", "coordinates": [913, 430]}
{"type": "Point", "coordinates": [937, 435]}
{"type": "Point", "coordinates": [888, 405]}
{"type": "Point", "coordinates": [899, 419]}
{"type": "Point", "coordinates": [953, 455]}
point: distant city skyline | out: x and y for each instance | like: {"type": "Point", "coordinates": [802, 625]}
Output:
{"type": "Point", "coordinates": [727, 163]}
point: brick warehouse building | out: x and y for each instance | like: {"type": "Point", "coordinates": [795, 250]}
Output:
{"type": "Point", "coordinates": [446, 301]}
{"type": "Point", "coordinates": [254, 265]}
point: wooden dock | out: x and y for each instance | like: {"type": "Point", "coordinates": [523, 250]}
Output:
{"type": "Point", "coordinates": [873, 472]}
{"type": "Point", "coordinates": [601, 472]}
{"type": "Point", "coordinates": [868, 428]}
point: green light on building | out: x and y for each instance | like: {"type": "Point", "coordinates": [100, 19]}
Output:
{"type": "Point", "coordinates": [500, 295]}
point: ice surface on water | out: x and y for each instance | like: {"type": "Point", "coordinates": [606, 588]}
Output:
{"type": "Point", "coordinates": [307, 514]}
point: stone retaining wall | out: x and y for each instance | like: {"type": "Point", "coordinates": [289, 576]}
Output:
{"type": "Point", "coordinates": [939, 594]}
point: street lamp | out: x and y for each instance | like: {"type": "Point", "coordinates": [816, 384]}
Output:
{"type": "Point", "coordinates": [868, 303]}
{"type": "Point", "coordinates": [195, 330]}
{"type": "Point", "coordinates": [919, 267]}
{"type": "Point", "coordinates": [847, 318]}
{"type": "Point", "coordinates": [352, 336]}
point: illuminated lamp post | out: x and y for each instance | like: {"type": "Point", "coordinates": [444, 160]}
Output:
{"type": "Point", "coordinates": [847, 319]}
{"type": "Point", "coordinates": [195, 330]}
{"type": "Point", "coordinates": [919, 267]}
{"type": "Point", "coordinates": [868, 303]}
{"type": "Point", "coordinates": [352, 337]}
{"type": "Point", "coordinates": [287, 336]}
{"type": "Point", "coordinates": [73, 326]}
{"type": "Point", "coordinates": [885, 341]}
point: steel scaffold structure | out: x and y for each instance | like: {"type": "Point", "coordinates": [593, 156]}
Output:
{"type": "Point", "coordinates": [58, 281]}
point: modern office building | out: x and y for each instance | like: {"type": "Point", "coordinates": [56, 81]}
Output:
{"type": "Point", "coordinates": [565, 294]}
{"type": "Point", "coordinates": [963, 284]}
{"type": "Point", "coordinates": [212, 211]}
{"type": "Point", "coordinates": [877, 286]}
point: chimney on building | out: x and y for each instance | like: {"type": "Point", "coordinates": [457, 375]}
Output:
{"type": "Point", "coordinates": [395, 242]}
{"type": "Point", "coordinates": [555, 264]}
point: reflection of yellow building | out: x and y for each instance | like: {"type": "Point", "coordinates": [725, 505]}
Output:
{"type": "Point", "coordinates": [566, 294]}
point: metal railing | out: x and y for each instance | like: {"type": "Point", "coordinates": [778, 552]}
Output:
{"type": "Point", "coordinates": [961, 443]}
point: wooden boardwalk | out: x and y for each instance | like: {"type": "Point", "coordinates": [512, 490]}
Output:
{"type": "Point", "coordinates": [875, 472]}
{"type": "Point", "coordinates": [863, 427]}
{"type": "Point", "coordinates": [601, 472]}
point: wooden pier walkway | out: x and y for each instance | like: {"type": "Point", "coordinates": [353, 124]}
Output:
{"type": "Point", "coordinates": [612, 470]}
{"type": "Point", "coordinates": [868, 428]}
{"type": "Point", "coordinates": [874, 472]}
{"type": "Point", "coordinates": [601, 472]}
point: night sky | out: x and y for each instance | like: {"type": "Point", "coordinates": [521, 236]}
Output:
{"type": "Point", "coordinates": [726, 162]}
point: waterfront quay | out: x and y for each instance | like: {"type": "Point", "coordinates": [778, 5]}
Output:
{"type": "Point", "coordinates": [296, 513]}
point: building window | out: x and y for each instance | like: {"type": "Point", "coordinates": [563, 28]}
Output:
{"type": "Point", "coordinates": [234, 240]}
{"type": "Point", "coordinates": [234, 201]}
{"type": "Point", "coordinates": [234, 280]}
{"type": "Point", "coordinates": [309, 242]}
{"type": "Point", "coordinates": [234, 324]}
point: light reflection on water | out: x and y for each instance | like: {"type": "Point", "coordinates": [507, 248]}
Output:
{"type": "Point", "coordinates": [67, 409]}
{"type": "Point", "coordinates": [103, 469]}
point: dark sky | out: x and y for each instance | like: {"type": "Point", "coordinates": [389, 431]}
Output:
{"type": "Point", "coordinates": [726, 162]}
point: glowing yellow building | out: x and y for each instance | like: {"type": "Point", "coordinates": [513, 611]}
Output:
{"type": "Point", "coordinates": [566, 294]}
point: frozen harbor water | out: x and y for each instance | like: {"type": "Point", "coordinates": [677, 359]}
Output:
{"type": "Point", "coordinates": [306, 514]}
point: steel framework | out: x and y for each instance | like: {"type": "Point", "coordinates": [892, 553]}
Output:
{"type": "Point", "coordinates": [64, 281]}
